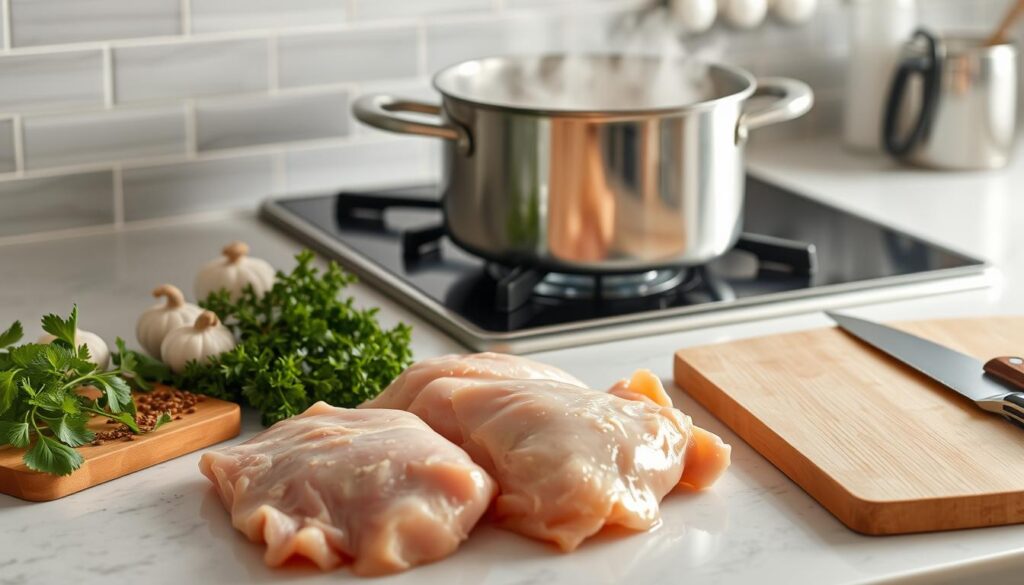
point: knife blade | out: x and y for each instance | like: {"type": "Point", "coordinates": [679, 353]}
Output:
{"type": "Point", "coordinates": [957, 371]}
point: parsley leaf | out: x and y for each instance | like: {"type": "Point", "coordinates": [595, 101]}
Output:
{"type": "Point", "coordinates": [62, 329]}
{"type": "Point", "coordinates": [71, 430]}
{"type": "Point", "coordinates": [14, 433]}
{"type": "Point", "coordinates": [301, 342]}
{"type": "Point", "coordinates": [51, 456]}
{"type": "Point", "coordinates": [8, 389]}
{"type": "Point", "coordinates": [139, 370]}
{"type": "Point", "coordinates": [12, 335]}
{"type": "Point", "coordinates": [164, 418]}
{"type": "Point", "coordinates": [125, 419]}
{"type": "Point", "coordinates": [117, 394]}
{"type": "Point", "coordinates": [40, 404]}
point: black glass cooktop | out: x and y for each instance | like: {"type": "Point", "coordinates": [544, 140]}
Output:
{"type": "Point", "coordinates": [796, 255]}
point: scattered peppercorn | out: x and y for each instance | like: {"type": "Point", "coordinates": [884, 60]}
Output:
{"type": "Point", "coordinates": [149, 408]}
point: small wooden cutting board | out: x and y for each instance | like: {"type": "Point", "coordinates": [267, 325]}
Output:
{"type": "Point", "coordinates": [212, 422]}
{"type": "Point", "coordinates": [885, 449]}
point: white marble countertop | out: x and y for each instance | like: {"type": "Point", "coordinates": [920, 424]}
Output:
{"type": "Point", "coordinates": [165, 525]}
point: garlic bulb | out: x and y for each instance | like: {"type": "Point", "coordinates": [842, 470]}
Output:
{"type": "Point", "coordinates": [157, 321]}
{"type": "Point", "coordinates": [198, 342]}
{"type": "Point", "coordinates": [744, 14]}
{"type": "Point", "coordinates": [99, 353]}
{"type": "Point", "coordinates": [793, 11]}
{"type": "Point", "coordinates": [233, 272]}
{"type": "Point", "coordinates": [694, 16]}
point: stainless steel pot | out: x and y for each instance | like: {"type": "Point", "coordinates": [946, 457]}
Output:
{"type": "Point", "coordinates": [592, 164]}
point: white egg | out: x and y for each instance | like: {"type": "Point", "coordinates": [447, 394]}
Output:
{"type": "Point", "coordinates": [745, 13]}
{"type": "Point", "coordinates": [794, 11]}
{"type": "Point", "coordinates": [695, 16]}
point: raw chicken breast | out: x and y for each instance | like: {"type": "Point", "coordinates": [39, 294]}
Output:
{"type": "Point", "coordinates": [707, 457]}
{"type": "Point", "coordinates": [457, 370]}
{"type": "Point", "coordinates": [377, 488]}
{"type": "Point", "coordinates": [479, 366]}
{"type": "Point", "coordinates": [568, 460]}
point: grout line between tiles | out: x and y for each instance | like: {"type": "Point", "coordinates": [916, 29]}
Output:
{"type": "Point", "coordinates": [118, 195]}
{"type": "Point", "coordinates": [5, 8]}
{"type": "Point", "coordinates": [191, 129]}
{"type": "Point", "coordinates": [128, 226]}
{"type": "Point", "coordinates": [186, 18]}
{"type": "Point", "coordinates": [322, 88]}
{"type": "Point", "coordinates": [208, 155]}
{"type": "Point", "coordinates": [218, 36]}
{"type": "Point", "coordinates": [108, 77]}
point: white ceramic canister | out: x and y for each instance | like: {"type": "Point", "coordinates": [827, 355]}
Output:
{"type": "Point", "coordinates": [878, 30]}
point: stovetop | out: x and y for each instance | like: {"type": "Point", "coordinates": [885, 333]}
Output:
{"type": "Point", "coordinates": [796, 255]}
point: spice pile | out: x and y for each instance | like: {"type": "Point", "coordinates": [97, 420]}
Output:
{"type": "Point", "coordinates": [149, 410]}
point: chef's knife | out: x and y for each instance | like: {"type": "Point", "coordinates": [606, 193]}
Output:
{"type": "Point", "coordinates": [995, 386]}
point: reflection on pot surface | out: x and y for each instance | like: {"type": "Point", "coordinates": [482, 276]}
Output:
{"type": "Point", "coordinates": [571, 189]}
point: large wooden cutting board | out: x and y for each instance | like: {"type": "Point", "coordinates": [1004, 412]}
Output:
{"type": "Point", "coordinates": [885, 449]}
{"type": "Point", "coordinates": [212, 422]}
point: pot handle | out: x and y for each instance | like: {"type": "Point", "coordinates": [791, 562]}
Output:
{"type": "Point", "coordinates": [384, 111]}
{"type": "Point", "coordinates": [795, 99]}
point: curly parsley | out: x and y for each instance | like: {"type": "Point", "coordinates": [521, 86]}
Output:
{"type": "Point", "coordinates": [300, 343]}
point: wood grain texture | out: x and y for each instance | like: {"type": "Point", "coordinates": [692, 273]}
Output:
{"type": "Point", "coordinates": [212, 422]}
{"type": "Point", "coordinates": [885, 449]}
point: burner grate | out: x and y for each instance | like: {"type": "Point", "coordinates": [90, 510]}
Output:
{"type": "Point", "coordinates": [515, 286]}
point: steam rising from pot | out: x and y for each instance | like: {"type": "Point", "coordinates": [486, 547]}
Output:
{"type": "Point", "coordinates": [642, 64]}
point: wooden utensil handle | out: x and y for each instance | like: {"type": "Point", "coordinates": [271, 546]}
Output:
{"type": "Point", "coordinates": [1008, 369]}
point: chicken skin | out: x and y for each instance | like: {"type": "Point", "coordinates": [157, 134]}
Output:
{"type": "Point", "coordinates": [377, 489]}
{"type": "Point", "coordinates": [568, 460]}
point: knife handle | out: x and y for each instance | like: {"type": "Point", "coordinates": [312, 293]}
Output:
{"type": "Point", "coordinates": [1008, 369]}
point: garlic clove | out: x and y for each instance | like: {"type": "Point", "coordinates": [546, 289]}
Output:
{"type": "Point", "coordinates": [793, 11]}
{"type": "Point", "coordinates": [745, 14]}
{"type": "Point", "coordinates": [203, 339]}
{"type": "Point", "coordinates": [99, 353]}
{"type": "Point", "coordinates": [694, 16]}
{"type": "Point", "coordinates": [233, 271]}
{"type": "Point", "coordinates": [156, 322]}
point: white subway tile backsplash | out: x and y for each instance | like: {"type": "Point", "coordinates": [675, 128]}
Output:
{"type": "Point", "coordinates": [185, 69]}
{"type": "Point", "coordinates": [56, 203]}
{"type": "Point", "coordinates": [407, 9]}
{"type": "Point", "coordinates": [960, 16]}
{"type": "Point", "coordinates": [234, 82]}
{"type": "Point", "coordinates": [222, 15]}
{"type": "Point", "coordinates": [160, 191]}
{"type": "Point", "coordinates": [34, 22]}
{"type": "Point", "coordinates": [230, 123]}
{"type": "Point", "coordinates": [517, 4]}
{"type": "Point", "coordinates": [8, 160]}
{"type": "Point", "coordinates": [69, 139]}
{"type": "Point", "coordinates": [49, 81]}
{"type": "Point", "coordinates": [355, 55]}
{"type": "Point", "coordinates": [394, 161]}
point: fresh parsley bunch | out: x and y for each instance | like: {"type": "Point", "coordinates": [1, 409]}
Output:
{"type": "Point", "coordinates": [299, 343]}
{"type": "Point", "coordinates": [40, 402]}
